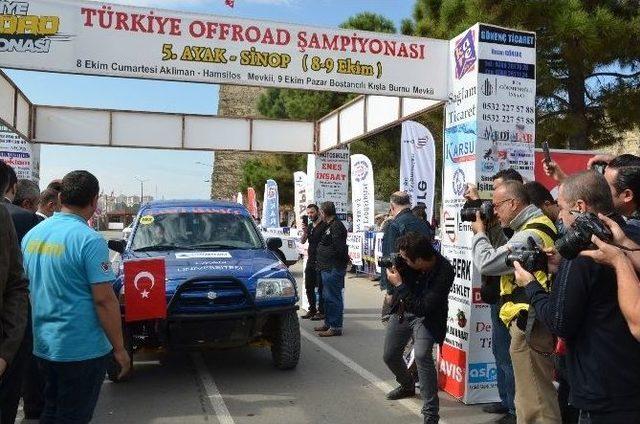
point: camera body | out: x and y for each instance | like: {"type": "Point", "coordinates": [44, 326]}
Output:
{"type": "Point", "coordinates": [578, 236]}
{"type": "Point", "coordinates": [393, 260]}
{"type": "Point", "coordinates": [532, 258]}
{"type": "Point", "coordinates": [305, 220]}
{"type": "Point", "coordinates": [468, 212]}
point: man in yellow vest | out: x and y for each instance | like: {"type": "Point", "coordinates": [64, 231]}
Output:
{"type": "Point", "coordinates": [535, 398]}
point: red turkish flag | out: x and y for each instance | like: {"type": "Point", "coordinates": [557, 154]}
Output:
{"type": "Point", "coordinates": [229, 2]}
{"type": "Point", "coordinates": [144, 289]}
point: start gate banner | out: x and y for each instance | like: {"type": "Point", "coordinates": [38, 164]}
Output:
{"type": "Point", "coordinates": [94, 38]}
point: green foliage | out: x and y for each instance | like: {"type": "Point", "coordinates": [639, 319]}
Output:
{"type": "Point", "coordinates": [588, 59]}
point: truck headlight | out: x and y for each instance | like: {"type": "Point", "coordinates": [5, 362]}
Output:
{"type": "Point", "coordinates": [268, 288]}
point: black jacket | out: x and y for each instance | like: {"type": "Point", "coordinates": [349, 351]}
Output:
{"type": "Point", "coordinates": [23, 220]}
{"type": "Point", "coordinates": [316, 232]}
{"type": "Point", "coordinates": [603, 358]}
{"type": "Point", "coordinates": [402, 224]}
{"type": "Point", "coordinates": [332, 249]}
{"type": "Point", "coordinates": [428, 297]}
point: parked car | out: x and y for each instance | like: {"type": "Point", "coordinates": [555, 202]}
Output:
{"type": "Point", "coordinates": [225, 286]}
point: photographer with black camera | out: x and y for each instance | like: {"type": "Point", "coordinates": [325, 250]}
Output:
{"type": "Point", "coordinates": [582, 308]}
{"type": "Point", "coordinates": [421, 278]}
{"type": "Point", "coordinates": [535, 397]}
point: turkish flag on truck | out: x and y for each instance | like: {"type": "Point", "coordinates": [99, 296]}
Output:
{"type": "Point", "coordinates": [144, 289]}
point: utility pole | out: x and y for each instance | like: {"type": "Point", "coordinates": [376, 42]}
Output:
{"type": "Point", "coordinates": [141, 188]}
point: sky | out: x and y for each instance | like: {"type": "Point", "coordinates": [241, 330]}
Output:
{"type": "Point", "coordinates": [170, 174]}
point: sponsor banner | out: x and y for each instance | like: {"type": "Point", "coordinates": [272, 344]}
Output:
{"type": "Point", "coordinates": [355, 242]}
{"type": "Point", "coordinates": [252, 203]}
{"type": "Point", "coordinates": [418, 165]}
{"type": "Point", "coordinates": [378, 251]}
{"type": "Point", "coordinates": [271, 205]}
{"type": "Point", "coordinates": [452, 370]}
{"type": "Point", "coordinates": [311, 172]}
{"type": "Point", "coordinates": [331, 182]}
{"type": "Point", "coordinates": [300, 196]}
{"type": "Point", "coordinates": [362, 193]}
{"type": "Point", "coordinates": [21, 155]}
{"type": "Point", "coordinates": [136, 42]}
{"type": "Point", "coordinates": [571, 161]}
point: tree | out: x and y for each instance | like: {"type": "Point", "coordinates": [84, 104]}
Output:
{"type": "Point", "coordinates": [282, 103]}
{"type": "Point", "coordinates": [588, 59]}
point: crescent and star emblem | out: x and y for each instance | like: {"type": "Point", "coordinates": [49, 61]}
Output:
{"type": "Point", "coordinates": [141, 275]}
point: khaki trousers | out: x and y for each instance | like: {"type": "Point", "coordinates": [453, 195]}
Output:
{"type": "Point", "coordinates": [536, 399]}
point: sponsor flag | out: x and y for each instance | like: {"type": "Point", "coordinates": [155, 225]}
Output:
{"type": "Point", "coordinates": [252, 204]}
{"type": "Point", "coordinates": [144, 289]}
{"type": "Point", "coordinates": [229, 3]}
{"type": "Point", "coordinates": [271, 205]}
{"type": "Point", "coordinates": [311, 173]}
{"type": "Point", "coordinates": [418, 165]}
{"type": "Point", "coordinates": [362, 193]}
{"type": "Point", "coordinates": [300, 196]}
{"type": "Point", "coordinates": [239, 198]}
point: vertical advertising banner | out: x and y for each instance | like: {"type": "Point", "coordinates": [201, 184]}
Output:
{"type": "Point", "coordinates": [355, 242]}
{"type": "Point", "coordinates": [271, 205]}
{"type": "Point", "coordinates": [362, 193]}
{"type": "Point", "coordinates": [331, 179]}
{"type": "Point", "coordinates": [418, 165]}
{"type": "Point", "coordinates": [300, 196]}
{"type": "Point", "coordinates": [252, 204]}
{"type": "Point", "coordinates": [21, 155]}
{"type": "Point", "coordinates": [489, 125]}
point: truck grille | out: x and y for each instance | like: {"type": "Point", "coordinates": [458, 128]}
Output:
{"type": "Point", "coordinates": [221, 294]}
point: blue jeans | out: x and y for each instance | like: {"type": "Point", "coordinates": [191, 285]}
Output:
{"type": "Point", "coordinates": [500, 347]}
{"type": "Point", "coordinates": [71, 389]}
{"type": "Point", "coordinates": [332, 285]}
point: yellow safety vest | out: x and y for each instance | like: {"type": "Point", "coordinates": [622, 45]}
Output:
{"type": "Point", "coordinates": [510, 309]}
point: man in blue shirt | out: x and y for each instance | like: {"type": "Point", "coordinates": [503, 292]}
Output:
{"type": "Point", "coordinates": [76, 315]}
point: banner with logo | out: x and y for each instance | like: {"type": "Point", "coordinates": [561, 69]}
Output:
{"type": "Point", "coordinates": [362, 193]}
{"type": "Point", "coordinates": [22, 156]}
{"type": "Point", "coordinates": [300, 196]}
{"type": "Point", "coordinates": [571, 161]}
{"type": "Point", "coordinates": [355, 243]}
{"type": "Point", "coordinates": [489, 125]}
{"type": "Point", "coordinates": [418, 165]}
{"type": "Point", "coordinates": [144, 289]}
{"type": "Point", "coordinates": [271, 205]}
{"type": "Point", "coordinates": [311, 172]}
{"type": "Point", "coordinates": [378, 251]}
{"type": "Point", "coordinates": [252, 203]}
{"type": "Point", "coordinates": [82, 37]}
{"type": "Point", "coordinates": [331, 179]}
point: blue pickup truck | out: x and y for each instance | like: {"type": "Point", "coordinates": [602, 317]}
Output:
{"type": "Point", "coordinates": [226, 286]}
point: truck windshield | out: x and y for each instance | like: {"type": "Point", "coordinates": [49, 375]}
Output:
{"type": "Point", "coordinates": [191, 230]}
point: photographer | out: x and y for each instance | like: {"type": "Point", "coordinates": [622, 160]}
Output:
{"type": "Point", "coordinates": [490, 292]}
{"type": "Point", "coordinates": [626, 265]}
{"type": "Point", "coordinates": [582, 307]}
{"type": "Point", "coordinates": [312, 231]}
{"type": "Point", "coordinates": [535, 395]}
{"type": "Point", "coordinates": [421, 278]}
{"type": "Point", "coordinates": [403, 221]}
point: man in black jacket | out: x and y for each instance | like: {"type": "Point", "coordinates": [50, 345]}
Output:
{"type": "Point", "coordinates": [313, 232]}
{"type": "Point", "coordinates": [332, 262]}
{"type": "Point", "coordinates": [422, 279]}
{"type": "Point", "coordinates": [582, 308]}
{"type": "Point", "coordinates": [23, 220]}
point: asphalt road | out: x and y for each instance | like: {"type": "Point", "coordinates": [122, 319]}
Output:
{"type": "Point", "coordinates": [338, 380]}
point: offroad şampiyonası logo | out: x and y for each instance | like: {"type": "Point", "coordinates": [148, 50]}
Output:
{"type": "Point", "coordinates": [23, 32]}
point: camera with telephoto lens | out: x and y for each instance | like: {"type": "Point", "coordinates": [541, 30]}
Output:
{"type": "Point", "coordinates": [468, 211]}
{"type": "Point", "coordinates": [578, 237]}
{"type": "Point", "coordinates": [393, 260]}
{"type": "Point", "coordinates": [532, 258]}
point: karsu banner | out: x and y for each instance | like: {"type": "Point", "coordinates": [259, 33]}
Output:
{"type": "Point", "coordinates": [252, 203]}
{"type": "Point", "coordinates": [331, 179]}
{"type": "Point", "coordinates": [362, 193]}
{"type": "Point", "coordinates": [418, 165]}
{"type": "Point", "coordinates": [93, 38]}
{"type": "Point", "coordinates": [271, 205]}
{"type": "Point", "coordinates": [300, 196]}
{"type": "Point", "coordinates": [355, 242]}
{"type": "Point", "coordinates": [22, 156]}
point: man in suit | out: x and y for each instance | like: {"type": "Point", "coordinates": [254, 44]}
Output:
{"type": "Point", "coordinates": [48, 204]}
{"type": "Point", "coordinates": [23, 220]}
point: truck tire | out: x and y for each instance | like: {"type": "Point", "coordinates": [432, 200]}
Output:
{"type": "Point", "coordinates": [285, 344]}
{"type": "Point", "coordinates": [113, 369]}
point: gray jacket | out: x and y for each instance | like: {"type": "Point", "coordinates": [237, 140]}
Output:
{"type": "Point", "coordinates": [490, 260]}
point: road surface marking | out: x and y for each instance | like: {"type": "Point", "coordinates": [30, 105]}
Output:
{"type": "Point", "coordinates": [217, 402]}
{"type": "Point", "coordinates": [366, 374]}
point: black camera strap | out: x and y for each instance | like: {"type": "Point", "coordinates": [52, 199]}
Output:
{"type": "Point", "coordinates": [543, 228]}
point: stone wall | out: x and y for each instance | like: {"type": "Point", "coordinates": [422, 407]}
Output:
{"type": "Point", "coordinates": [234, 101]}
